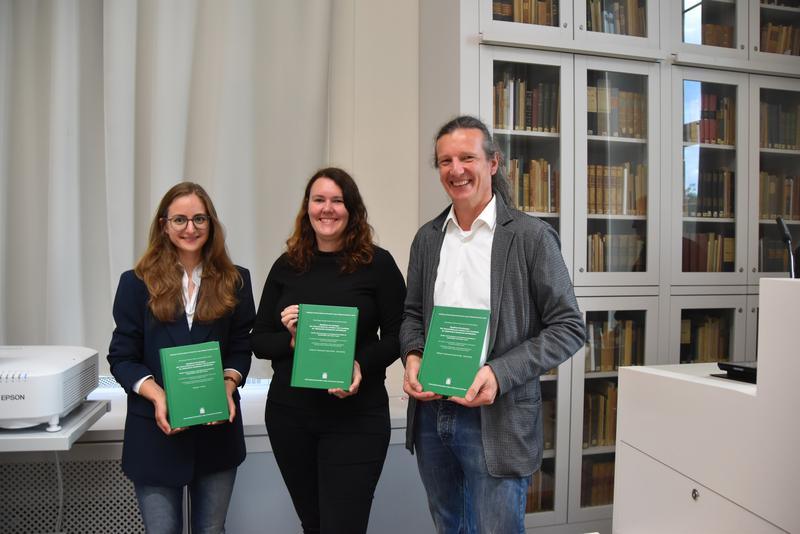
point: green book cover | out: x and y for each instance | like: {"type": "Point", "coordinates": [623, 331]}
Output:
{"type": "Point", "coordinates": [194, 385]}
{"type": "Point", "coordinates": [453, 349]}
{"type": "Point", "coordinates": [324, 346]}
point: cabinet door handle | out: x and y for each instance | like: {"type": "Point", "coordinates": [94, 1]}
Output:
{"type": "Point", "coordinates": [695, 494]}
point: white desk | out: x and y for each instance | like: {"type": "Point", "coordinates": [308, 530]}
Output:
{"type": "Point", "coordinates": [735, 446]}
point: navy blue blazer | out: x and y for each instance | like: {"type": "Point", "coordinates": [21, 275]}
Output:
{"type": "Point", "coordinates": [148, 455]}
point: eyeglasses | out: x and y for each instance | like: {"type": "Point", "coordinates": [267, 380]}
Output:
{"type": "Point", "coordinates": [179, 222]}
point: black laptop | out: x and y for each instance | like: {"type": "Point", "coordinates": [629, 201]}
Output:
{"type": "Point", "coordinates": [741, 371]}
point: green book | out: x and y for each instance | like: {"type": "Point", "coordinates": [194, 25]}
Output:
{"type": "Point", "coordinates": [324, 347]}
{"type": "Point", "coordinates": [194, 385]}
{"type": "Point", "coordinates": [453, 348]}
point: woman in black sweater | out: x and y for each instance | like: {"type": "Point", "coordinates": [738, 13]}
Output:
{"type": "Point", "coordinates": [331, 445]}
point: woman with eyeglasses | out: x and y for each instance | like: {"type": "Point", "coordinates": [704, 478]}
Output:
{"type": "Point", "coordinates": [184, 290]}
{"type": "Point", "coordinates": [330, 445]}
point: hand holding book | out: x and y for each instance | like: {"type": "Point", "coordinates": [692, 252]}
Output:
{"type": "Point", "coordinates": [353, 389]}
{"type": "Point", "coordinates": [482, 391]}
{"type": "Point", "coordinates": [289, 316]}
{"type": "Point", "coordinates": [411, 384]}
{"type": "Point", "coordinates": [151, 391]}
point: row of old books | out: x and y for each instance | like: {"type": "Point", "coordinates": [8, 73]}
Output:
{"type": "Point", "coordinates": [715, 195]}
{"type": "Point", "coordinates": [704, 338]}
{"type": "Point", "coordinates": [717, 35]}
{"type": "Point", "coordinates": [541, 492]}
{"type": "Point", "coordinates": [597, 482]}
{"type": "Point", "coordinates": [622, 17]}
{"type": "Point", "coordinates": [617, 189]}
{"type": "Point", "coordinates": [526, 105]}
{"type": "Point", "coordinates": [773, 256]}
{"type": "Point", "coordinates": [779, 194]}
{"type": "Point", "coordinates": [600, 414]}
{"type": "Point", "coordinates": [534, 186]}
{"type": "Point", "coordinates": [778, 126]}
{"type": "Point", "coordinates": [611, 345]}
{"type": "Point", "coordinates": [615, 253]}
{"type": "Point", "coordinates": [544, 12]}
{"type": "Point", "coordinates": [615, 112]}
{"type": "Point", "coordinates": [780, 39]}
{"type": "Point", "coordinates": [717, 123]}
{"type": "Point", "coordinates": [708, 252]}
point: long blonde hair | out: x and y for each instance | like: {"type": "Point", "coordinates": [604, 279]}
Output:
{"type": "Point", "coordinates": [161, 271]}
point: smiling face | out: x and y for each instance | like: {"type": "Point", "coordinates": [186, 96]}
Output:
{"type": "Point", "coordinates": [188, 241]}
{"type": "Point", "coordinates": [465, 170]}
{"type": "Point", "coordinates": [327, 214]}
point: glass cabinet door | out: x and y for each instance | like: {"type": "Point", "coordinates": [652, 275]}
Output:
{"type": "Point", "coordinates": [712, 28]}
{"type": "Point", "coordinates": [546, 499]}
{"type": "Point", "coordinates": [708, 328]}
{"type": "Point", "coordinates": [618, 333]}
{"type": "Point", "coordinates": [616, 160]}
{"type": "Point", "coordinates": [525, 99]}
{"type": "Point", "coordinates": [709, 177]}
{"type": "Point", "coordinates": [775, 160]}
{"type": "Point", "coordinates": [526, 22]}
{"type": "Point", "coordinates": [522, 95]}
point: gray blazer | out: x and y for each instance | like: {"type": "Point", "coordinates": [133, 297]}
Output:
{"type": "Point", "coordinates": [535, 325]}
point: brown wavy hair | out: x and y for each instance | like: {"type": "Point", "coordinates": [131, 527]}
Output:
{"type": "Point", "coordinates": [357, 249]}
{"type": "Point", "coordinates": [162, 272]}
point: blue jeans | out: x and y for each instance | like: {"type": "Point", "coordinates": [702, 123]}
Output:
{"type": "Point", "coordinates": [162, 506]}
{"type": "Point", "coordinates": [463, 497]}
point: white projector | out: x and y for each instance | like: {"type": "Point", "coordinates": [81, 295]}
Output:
{"type": "Point", "coordinates": [40, 384]}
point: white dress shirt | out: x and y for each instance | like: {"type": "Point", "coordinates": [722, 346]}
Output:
{"type": "Point", "coordinates": [463, 278]}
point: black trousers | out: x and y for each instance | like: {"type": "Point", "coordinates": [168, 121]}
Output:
{"type": "Point", "coordinates": [330, 464]}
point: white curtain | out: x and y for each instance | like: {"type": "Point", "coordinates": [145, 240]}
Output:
{"type": "Point", "coordinates": [105, 105]}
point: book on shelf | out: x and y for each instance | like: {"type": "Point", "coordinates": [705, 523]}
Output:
{"type": "Point", "coordinates": [613, 345]}
{"type": "Point", "coordinates": [717, 35]}
{"type": "Point", "coordinates": [704, 338]}
{"type": "Point", "coordinates": [600, 414]}
{"type": "Point", "coordinates": [597, 482]}
{"type": "Point", "coordinates": [779, 195]}
{"type": "Point", "coordinates": [779, 127]}
{"type": "Point", "coordinates": [715, 195]}
{"type": "Point", "coordinates": [534, 185]}
{"type": "Point", "coordinates": [193, 383]}
{"type": "Point", "coordinates": [525, 105]}
{"type": "Point", "coordinates": [617, 189]}
{"type": "Point", "coordinates": [708, 252]}
{"type": "Point", "coordinates": [773, 256]}
{"type": "Point", "coordinates": [541, 491]}
{"type": "Point", "coordinates": [717, 122]}
{"type": "Point", "coordinates": [615, 112]}
{"type": "Point", "coordinates": [542, 12]}
{"type": "Point", "coordinates": [780, 39]}
{"type": "Point", "coordinates": [615, 252]}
